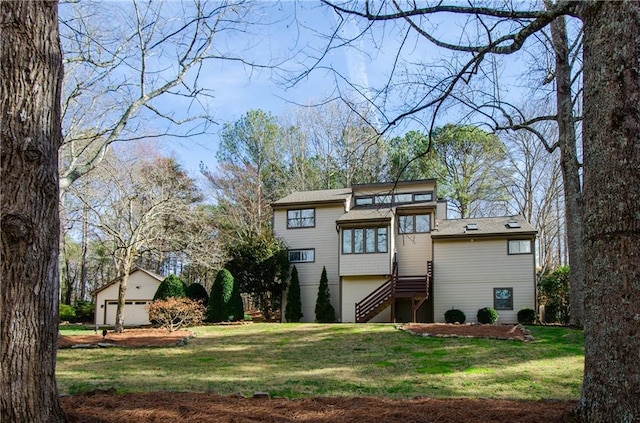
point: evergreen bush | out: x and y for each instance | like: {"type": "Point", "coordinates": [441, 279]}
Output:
{"type": "Point", "coordinates": [84, 311]}
{"type": "Point", "coordinates": [527, 316]}
{"type": "Point", "coordinates": [67, 313]}
{"type": "Point", "coordinates": [454, 316]}
{"type": "Point", "coordinates": [195, 291]}
{"type": "Point", "coordinates": [487, 316]}
{"type": "Point", "coordinates": [293, 311]}
{"type": "Point", "coordinates": [223, 301]}
{"type": "Point", "coordinates": [171, 287]}
{"type": "Point", "coordinates": [554, 295]}
{"type": "Point", "coordinates": [325, 313]}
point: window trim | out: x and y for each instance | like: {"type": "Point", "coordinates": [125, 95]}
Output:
{"type": "Point", "coordinates": [414, 231]}
{"type": "Point", "coordinates": [376, 240]}
{"type": "Point", "coordinates": [429, 193]}
{"type": "Point", "coordinates": [495, 298]}
{"type": "Point", "coordinates": [300, 250]}
{"type": "Point", "coordinates": [301, 219]}
{"type": "Point", "coordinates": [512, 253]}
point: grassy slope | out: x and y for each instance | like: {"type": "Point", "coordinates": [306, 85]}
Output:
{"type": "Point", "coordinates": [296, 360]}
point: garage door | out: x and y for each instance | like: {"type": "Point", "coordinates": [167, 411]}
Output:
{"type": "Point", "coordinates": [135, 312]}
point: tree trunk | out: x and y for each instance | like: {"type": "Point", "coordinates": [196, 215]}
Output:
{"type": "Point", "coordinates": [122, 291]}
{"type": "Point", "coordinates": [570, 170]}
{"type": "Point", "coordinates": [83, 260]}
{"type": "Point", "coordinates": [31, 77]}
{"type": "Point", "coordinates": [611, 385]}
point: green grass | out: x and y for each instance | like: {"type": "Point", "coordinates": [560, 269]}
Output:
{"type": "Point", "coordinates": [299, 360]}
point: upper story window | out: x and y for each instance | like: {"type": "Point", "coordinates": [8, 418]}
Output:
{"type": "Point", "coordinates": [403, 198]}
{"type": "Point", "coordinates": [364, 201]}
{"type": "Point", "coordinates": [519, 246]}
{"type": "Point", "coordinates": [420, 197]}
{"type": "Point", "coordinates": [302, 256]}
{"type": "Point", "coordinates": [301, 218]}
{"type": "Point", "coordinates": [417, 223]}
{"type": "Point", "coordinates": [364, 240]}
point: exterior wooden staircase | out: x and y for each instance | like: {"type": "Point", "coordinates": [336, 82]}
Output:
{"type": "Point", "coordinates": [415, 287]}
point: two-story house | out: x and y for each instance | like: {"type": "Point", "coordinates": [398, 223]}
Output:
{"type": "Point", "coordinates": [391, 254]}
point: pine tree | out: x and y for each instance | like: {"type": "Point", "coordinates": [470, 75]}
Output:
{"type": "Point", "coordinates": [325, 312]}
{"type": "Point", "coordinates": [293, 312]}
{"type": "Point", "coordinates": [235, 308]}
{"type": "Point", "coordinates": [171, 287]}
{"type": "Point", "coordinates": [197, 292]}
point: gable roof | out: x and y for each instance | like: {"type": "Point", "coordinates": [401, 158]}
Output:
{"type": "Point", "coordinates": [116, 280]}
{"type": "Point", "coordinates": [314, 197]}
{"type": "Point", "coordinates": [486, 227]}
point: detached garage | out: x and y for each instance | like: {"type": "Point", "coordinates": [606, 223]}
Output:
{"type": "Point", "coordinates": [141, 288]}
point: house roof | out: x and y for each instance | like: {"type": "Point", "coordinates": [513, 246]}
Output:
{"type": "Point", "coordinates": [482, 227]}
{"type": "Point", "coordinates": [391, 185]}
{"type": "Point", "coordinates": [364, 215]}
{"type": "Point", "coordinates": [116, 280]}
{"type": "Point", "coordinates": [314, 197]}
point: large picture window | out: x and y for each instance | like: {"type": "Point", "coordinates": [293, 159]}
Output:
{"type": "Point", "coordinates": [364, 240]}
{"type": "Point", "coordinates": [307, 255]}
{"type": "Point", "coordinates": [301, 218]}
{"type": "Point", "coordinates": [519, 246]}
{"type": "Point", "coordinates": [419, 223]}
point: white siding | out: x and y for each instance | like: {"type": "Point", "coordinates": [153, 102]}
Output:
{"type": "Point", "coordinates": [141, 287]}
{"type": "Point", "coordinates": [466, 271]}
{"type": "Point", "coordinates": [414, 251]}
{"type": "Point", "coordinates": [324, 239]}
{"type": "Point", "coordinates": [354, 289]}
{"type": "Point", "coordinates": [365, 264]}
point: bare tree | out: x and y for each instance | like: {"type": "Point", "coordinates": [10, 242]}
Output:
{"type": "Point", "coordinates": [30, 79]}
{"type": "Point", "coordinates": [147, 67]}
{"type": "Point", "coordinates": [141, 202]}
{"type": "Point", "coordinates": [611, 122]}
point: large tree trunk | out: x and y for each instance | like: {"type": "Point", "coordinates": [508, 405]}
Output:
{"type": "Point", "coordinates": [31, 75]}
{"type": "Point", "coordinates": [611, 389]}
{"type": "Point", "coordinates": [570, 170]}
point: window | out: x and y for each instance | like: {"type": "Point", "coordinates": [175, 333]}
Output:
{"type": "Point", "coordinates": [519, 246]}
{"type": "Point", "coordinates": [503, 298]}
{"type": "Point", "coordinates": [364, 240]}
{"type": "Point", "coordinates": [301, 218]}
{"type": "Point", "coordinates": [422, 196]}
{"type": "Point", "coordinates": [419, 223]}
{"type": "Point", "coordinates": [364, 201]}
{"type": "Point", "coordinates": [383, 199]}
{"type": "Point", "coordinates": [402, 198]}
{"type": "Point", "coordinates": [302, 256]}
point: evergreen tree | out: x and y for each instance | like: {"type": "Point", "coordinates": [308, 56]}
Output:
{"type": "Point", "coordinates": [171, 287]}
{"type": "Point", "coordinates": [221, 293]}
{"type": "Point", "coordinates": [293, 312]}
{"type": "Point", "coordinates": [235, 307]}
{"type": "Point", "coordinates": [325, 312]}
{"type": "Point", "coordinates": [197, 292]}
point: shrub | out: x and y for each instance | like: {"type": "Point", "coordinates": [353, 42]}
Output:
{"type": "Point", "coordinates": [487, 316]}
{"type": "Point", "coordinates": [554, 295]}
{"type": "Point", "coordinates": [225, 302]}
{"type": "Point", "coordinates": [171, 287]}
{"type": "Point", "coordinates": [293, 312]}
{"type": "Point", "coordinates": [67, 313]}
{"type": "Point", "coordinates": [454, 316]}
{"type": "Point", "coordinates": [527, 316]}
{"type": "Point", "coordinates": [195, 291]}
{"type": "Point", "coordinates": [325, 313]}
{"type": "Point", "coordinates": [174, 313]}
{"type": "Point", "coordinates": [84, 311]}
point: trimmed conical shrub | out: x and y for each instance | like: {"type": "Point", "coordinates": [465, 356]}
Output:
{"type": "Point", "coordinates": [293, 312]}
{"type": "Point", "coordinates": [195, 291]}
{"type": "Point", "coordinates": [225, 302]}
{"type": "Point", "coordinates": [325, 312]}
{"type": "Point", "coordinates": [171, 287]}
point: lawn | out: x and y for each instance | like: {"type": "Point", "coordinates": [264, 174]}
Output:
{"type": "Point", "coordinates": [302, 360]}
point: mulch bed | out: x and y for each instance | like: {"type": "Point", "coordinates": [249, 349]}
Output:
{"type": "Point", "coordinates": [159, 407]}
{"type": "Point", "coordinates": [129, 338]}
{"type": "Point", "coordinates": [468, 330]}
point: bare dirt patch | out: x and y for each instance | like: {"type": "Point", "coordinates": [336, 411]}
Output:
{"type": "Point", "coordinates": [467, 330]}
{"type": "Point", "coordinates": [161, 407]}
{"type": "Point", "coordinates": [128, 338]}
